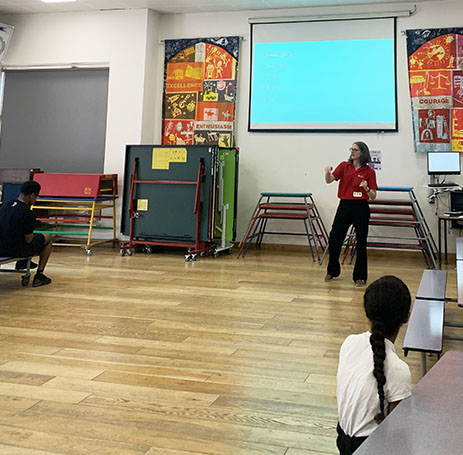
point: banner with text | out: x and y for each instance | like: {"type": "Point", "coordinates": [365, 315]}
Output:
{"type": "Point", "coordinates": [200, 91]}
{"type": "Point", "coordinates": [435, 68]}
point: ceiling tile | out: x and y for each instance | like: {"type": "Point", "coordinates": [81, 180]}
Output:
{"type": "Point", "coordinates": [175, 6]}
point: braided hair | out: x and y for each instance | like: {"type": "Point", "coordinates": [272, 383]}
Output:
{"type": "Point", "coordinates": [387, 305]}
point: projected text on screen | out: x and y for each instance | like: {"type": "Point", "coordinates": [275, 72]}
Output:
{"type": "Point", "coordinates": [331, 84]}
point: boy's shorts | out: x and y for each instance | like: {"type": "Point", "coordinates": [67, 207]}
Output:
{"type": "Point", "coordinates": [30, 249]}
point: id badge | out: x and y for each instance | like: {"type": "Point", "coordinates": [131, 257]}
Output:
{"type": "Point", "coordinates": [357, 194]}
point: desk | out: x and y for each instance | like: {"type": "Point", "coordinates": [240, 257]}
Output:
{"type": "Point", "coordinates": [443, 219]}
{"type": "Point", "coordinates": [428, 422]}
{"type": "Point", "coordinates": [436, 191]}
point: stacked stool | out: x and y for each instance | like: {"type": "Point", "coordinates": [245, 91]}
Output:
{"type": "Point", "coordinates": [401, 212]}
{"type": "Point", "coordinates": [287, 206]}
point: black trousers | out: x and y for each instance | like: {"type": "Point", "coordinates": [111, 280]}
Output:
{"type": "Point", "coordinates": [347, 445]}
{"type": "Point", "coordinates": [356, 213]}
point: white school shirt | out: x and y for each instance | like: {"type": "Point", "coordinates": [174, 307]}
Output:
{"type": "Point", "coordinates": [357, 391]}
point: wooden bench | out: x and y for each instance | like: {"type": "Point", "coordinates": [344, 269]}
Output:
{"type": "Point", "coordinates": [425, 328]}
{"type": "Point", "coordinates": [8, 260]}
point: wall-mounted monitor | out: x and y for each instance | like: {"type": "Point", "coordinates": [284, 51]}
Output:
{"type": "Point", "coordinates": [444, 163]}
{"type": "Point", "coordinates": [328, 75]}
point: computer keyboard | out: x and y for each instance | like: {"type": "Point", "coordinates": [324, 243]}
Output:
{"type": "Point", "coordinates": [440, 185]}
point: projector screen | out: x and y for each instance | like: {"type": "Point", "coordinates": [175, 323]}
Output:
{"type": "Point", "coordinates": [337, 75]}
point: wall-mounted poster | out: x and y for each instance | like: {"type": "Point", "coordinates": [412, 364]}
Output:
{"type": "Point", "coordinates": [200, 91]}
{"type": "Point", "coordinates": [375, 159]}
{"type": "Point", "coordinates": [435, 66]}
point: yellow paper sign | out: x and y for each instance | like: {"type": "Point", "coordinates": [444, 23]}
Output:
{"type": "Point", "coordinates": [142, 205]}
{"type": "Point", "coordinates": [162, 157]}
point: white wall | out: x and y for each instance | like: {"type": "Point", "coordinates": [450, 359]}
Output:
{"type": "Point", "coordinates": [151, 94]}
{"type": "Point", "coordinates": [115, 38]}
{"type": "Point", "coordinates": [129, 41]}
{"type": "Point", "coordinates": [294, 162]}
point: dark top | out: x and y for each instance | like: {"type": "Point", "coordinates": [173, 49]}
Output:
{"type": "Point", "coordinates": [16, 221]}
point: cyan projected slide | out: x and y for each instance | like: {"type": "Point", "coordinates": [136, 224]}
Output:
{"type": "Point", "coordinates": [324, 82]}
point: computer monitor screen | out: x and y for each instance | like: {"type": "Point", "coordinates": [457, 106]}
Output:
{"type": "Point", "coordinates": [444, 163]}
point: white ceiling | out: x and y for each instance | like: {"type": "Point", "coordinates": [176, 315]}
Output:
{"type": "Point", "coordinates": [174, 6]}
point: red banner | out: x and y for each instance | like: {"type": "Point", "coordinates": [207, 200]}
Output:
{"type": "Point", "coordinates": [436, 88]}
{"type": "Point", "coordinates": [199, 95]}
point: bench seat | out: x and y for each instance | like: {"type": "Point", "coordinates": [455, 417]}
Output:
{"type": "Point", "coordinates": [8, 260]}
{"type": "Point", "coordinates": [26, 274]}
{"type": "Point", "coordinates": [433, 285]}
{"type": "Point", "coordinates": [460, 283]}
{"type": "Point", "coordinates": [425, 329]}
{"type": "Point", "coordinates": [459, 249]}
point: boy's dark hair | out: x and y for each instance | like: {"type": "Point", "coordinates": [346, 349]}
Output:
{"type": "Point", "coordinates": [365, 157]}
{"type": "Point", "coordinates": [387, 305]}
{"type": "Point", "coordinates": [30, 187]}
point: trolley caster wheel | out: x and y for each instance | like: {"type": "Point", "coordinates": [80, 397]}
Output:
{"type": "Point", "coordinates": [202, 254]}
{"type": "Point", "coordinates": [122, 251]}
{"type": "Point", "coordinates": [89, 252]}
{"type": "Point", "coordinates": [25, 279]}
{"type": "Point", "coordinates": [216, 255]}
{"type": "Point", "coordinates": [129, 252]}
{"type": "Point", "coordinates": [187, 257]}
{"type": "Point", "coordinates": [148, 249]}
{"type": "Point", "coordinates": [194, 256]}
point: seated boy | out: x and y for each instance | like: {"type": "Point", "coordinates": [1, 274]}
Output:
{"type": "Point", "coordinates": [17, 238]}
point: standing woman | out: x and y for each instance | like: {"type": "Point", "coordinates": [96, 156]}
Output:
{"type": "Point", "coordinates": [357, 184]}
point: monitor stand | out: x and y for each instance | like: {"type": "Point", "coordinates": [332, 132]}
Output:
{"type": "Point", "coordinates": [434, 182]}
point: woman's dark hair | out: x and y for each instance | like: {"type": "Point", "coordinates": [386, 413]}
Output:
{"type": "Point", "coordinates": [387, 305]}
{"type": "Point", "coordinates": [30, 187]}
{"type": "Point", "coordinates": [365, 156]}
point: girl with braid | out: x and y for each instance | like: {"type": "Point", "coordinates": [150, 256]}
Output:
{"type": "Point", "coordinates": [372, 380]}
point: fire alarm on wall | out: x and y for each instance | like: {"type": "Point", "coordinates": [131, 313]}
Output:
{"type": "Point", "coordinates": [5, 36]}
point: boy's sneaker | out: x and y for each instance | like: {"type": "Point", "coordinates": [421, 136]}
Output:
{"type": "Point", "coordinates": [359, 283]}
{"type": "Point", "coordinates": [40, 280]}
{"type": "Point", "coordinates": [21, 265]}
{"type": "Point", "coordinates": [329, 277]}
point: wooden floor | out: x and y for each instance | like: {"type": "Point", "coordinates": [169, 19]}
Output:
{"type": "Point", "coordinates": [151, 355]}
